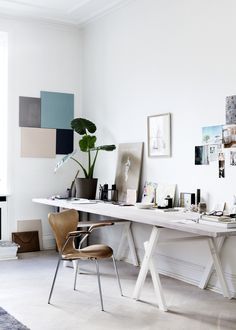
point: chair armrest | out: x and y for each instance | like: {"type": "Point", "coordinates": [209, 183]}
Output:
{"type": "Point", "coordinates": [98, 225]}
{"type": "Point", "coordinates": [77, 233]}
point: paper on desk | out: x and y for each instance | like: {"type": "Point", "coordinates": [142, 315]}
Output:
{"type": "Point", "coordinates": [83, 201]}
{"type": "Point", "coordinates": [185, 221]}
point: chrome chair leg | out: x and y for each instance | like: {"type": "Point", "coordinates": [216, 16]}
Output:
{"type": "Point", "coordinates": [117, 275]}
{"type": "Point", "coordinates": [76, 273]}
{"type": "Point", "coordinates": [99, 284]}
{"type": "Point", "coordinates": [54, 279]}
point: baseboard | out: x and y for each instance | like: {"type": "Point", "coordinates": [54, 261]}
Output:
{"type": "Point", "coordinates": [48, 242]}
{"type": "Point", "coordinates": [187, 272]}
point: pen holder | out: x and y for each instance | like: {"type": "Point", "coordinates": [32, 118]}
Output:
{"type": "Point", "coordinates": [106, 194]}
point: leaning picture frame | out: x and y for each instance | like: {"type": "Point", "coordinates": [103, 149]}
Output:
{"type": "Point", "coordinates": [159, 135]}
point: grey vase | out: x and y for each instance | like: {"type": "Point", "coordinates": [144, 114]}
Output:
{"type": "Point", "coordinates": [86, 188]}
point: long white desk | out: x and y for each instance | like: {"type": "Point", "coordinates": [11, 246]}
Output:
{"type": "Point", "coordinates": [160, 221]}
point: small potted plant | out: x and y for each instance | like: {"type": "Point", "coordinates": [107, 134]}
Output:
{"type": "Point", "coordinates": [86, 187]}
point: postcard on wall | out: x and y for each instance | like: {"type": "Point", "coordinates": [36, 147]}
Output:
{"type": "Point", "coordinates": [233, 158]}
{"type": "Point", "coordinates": [229, 136]}
{"type": "Point", "coordinates": [212, 134]}
{"type": "Point", "coordinates": [201, 155]}
{"type": "Point", "coordinates": [230, 110]}
{"type": "Point", "coordinates": [159, 135]}
{"type": "Point", "coordinates": [214, 150]}
{"type": "Point", "coordinates": [149, 192]}
{"type": "Point", "coordinates": [221, 165]}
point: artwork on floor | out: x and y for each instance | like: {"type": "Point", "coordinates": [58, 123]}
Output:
{"type": "Point", "coordinates": [230, 110]}
{"type": "Point", "coordinates": [51, 115]}
{"type": "Point", "coordinates": [163, 190]}
{"type": "Point", "coordinates": [214, 150]}
{"type": "Point", "coordinates": [159, 135]}
{"type": "Point", "coordinates": [128, 169]}
{"type": "Point", "coordinates": [201, 155]}
{"type": "Point", "coordinates": [149, 192]}
{"type": "Point", "coordinates": [57, 110]}
{"type": "Point", "coordinates": [221, 165]}
{"type": "Point", "coordinates": [229, 136]}
{"type": "Point", "coordinates": [30, 112]}
{"type": "Point", "coordinates": [38, 142]}
{"type": "Point", "coordinates": [212, 134]}
{"type": "Point", "coordinates": [233, 158]}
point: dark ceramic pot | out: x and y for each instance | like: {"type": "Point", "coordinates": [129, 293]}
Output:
{"type": "Point", "coordinates": [86, 188]}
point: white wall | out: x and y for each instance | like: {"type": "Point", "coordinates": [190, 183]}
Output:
{"type": "Point", "coordinates": [41, 57]}
{"type": "Point", "coordinates": [158, 56]}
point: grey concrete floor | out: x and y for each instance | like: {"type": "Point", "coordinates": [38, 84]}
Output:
{"type": "Point", "coordinates": [25, 285]}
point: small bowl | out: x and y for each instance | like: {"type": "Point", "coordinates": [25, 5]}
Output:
{"type": "Point", "coordinates": [144, 205]}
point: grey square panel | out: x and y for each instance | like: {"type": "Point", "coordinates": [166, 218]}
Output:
{"type": "Point", "coordinates": [30, 112]}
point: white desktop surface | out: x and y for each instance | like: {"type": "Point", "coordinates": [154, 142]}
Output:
{"type": "Point", "coordinates": [176, 220]}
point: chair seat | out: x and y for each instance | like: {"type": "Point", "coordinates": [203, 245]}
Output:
{"type": "Point", "coordinates": [98, 251]}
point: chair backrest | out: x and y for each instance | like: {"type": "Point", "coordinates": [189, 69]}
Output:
{"type": "Point", "coordinates": [62, 223]}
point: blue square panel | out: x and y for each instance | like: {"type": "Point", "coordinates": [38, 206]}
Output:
{"type": "Point", "coordinates": [57, 110]}
{"type": "Point", "coordinates": [64, 141]}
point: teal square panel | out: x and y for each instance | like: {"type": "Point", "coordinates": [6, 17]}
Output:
{"type": "Point", "coordinates": [57, 110]}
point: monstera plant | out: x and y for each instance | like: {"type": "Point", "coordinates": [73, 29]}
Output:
{"type": "Point", "coordinates": [86, 129]}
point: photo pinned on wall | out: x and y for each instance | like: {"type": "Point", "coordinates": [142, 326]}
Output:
{"type": "Point", "coordinates": [233, 158]}
{"type": "Point", "coordinates": [213, 150]}
{"type": "Point", "coordinates": [128, 168]}
{"type": "Point", "coordinates": [149, 192]}
{"type": "Point", "coordinates": [221, 165]}
{"type": "Point", "coordinates": [159, 135]}
{"type": "Point", "coordinates": [212, 134]}
{"type": "Point", "coordinates": [201, 155]}
{"type": "Point", "coordinates": [230, 108]}
{"type": "Point", "coordinates": [229, 136]}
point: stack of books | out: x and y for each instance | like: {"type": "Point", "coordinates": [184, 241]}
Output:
{"type": "Point", "coordinates": [223, 221]}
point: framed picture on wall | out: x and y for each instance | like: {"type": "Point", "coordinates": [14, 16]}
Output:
{"type": "Point", "coordinates": [159, 135]}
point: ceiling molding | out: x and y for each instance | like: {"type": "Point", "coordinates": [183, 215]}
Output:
{"type": "Point", "coordinates": [74, 12]}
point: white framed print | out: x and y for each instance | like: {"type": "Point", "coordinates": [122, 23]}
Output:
{"type": "Point", "coordinates": [159, 135]}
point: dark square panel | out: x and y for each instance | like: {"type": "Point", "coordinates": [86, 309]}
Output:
{"type": "Point", "coordinates": [30, 112]}
{"type": "Point", "coordinates": [64, 141]}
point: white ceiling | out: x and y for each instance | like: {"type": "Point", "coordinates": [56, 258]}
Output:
{"type": "Point", "coordinates": [76, 12]}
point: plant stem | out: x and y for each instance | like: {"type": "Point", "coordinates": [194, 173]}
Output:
{"type": "Point", "coordinates": [84, 170]}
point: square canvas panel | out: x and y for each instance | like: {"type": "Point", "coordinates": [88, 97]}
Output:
{"type": "Point", "coordinates": [149, 192]}
{"type": "Point", "coordinates": [230, 110]}
{"type": "Point", "coordinates": [29, 112]}
{"type": "Point", "coordinates": [57, 110]}
{"type": "Point", "coordinates": [128, 168]}
{"type": "Point", "coordinates": [64, 141]}
{"type": "Point", "coordinates": [201, 155]}
{"type": "Point", "coordinates": [212, 134]}
{"type": "Point", "coordinates": [38, 142]}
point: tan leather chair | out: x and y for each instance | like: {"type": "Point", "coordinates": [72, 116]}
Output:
{"type": "Point", "coordinates": [64, 226]}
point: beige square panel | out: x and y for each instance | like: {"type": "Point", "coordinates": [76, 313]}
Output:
{"type": "Point", "coordinates": [31, 225]}
{"type": "Point", "coordinates": [38, 142]}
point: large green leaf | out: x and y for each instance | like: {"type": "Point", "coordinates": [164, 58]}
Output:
{"type": "Point", "coordinates": [87, 142]}
{"type": "Point", "coordinates": [82, 125]}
